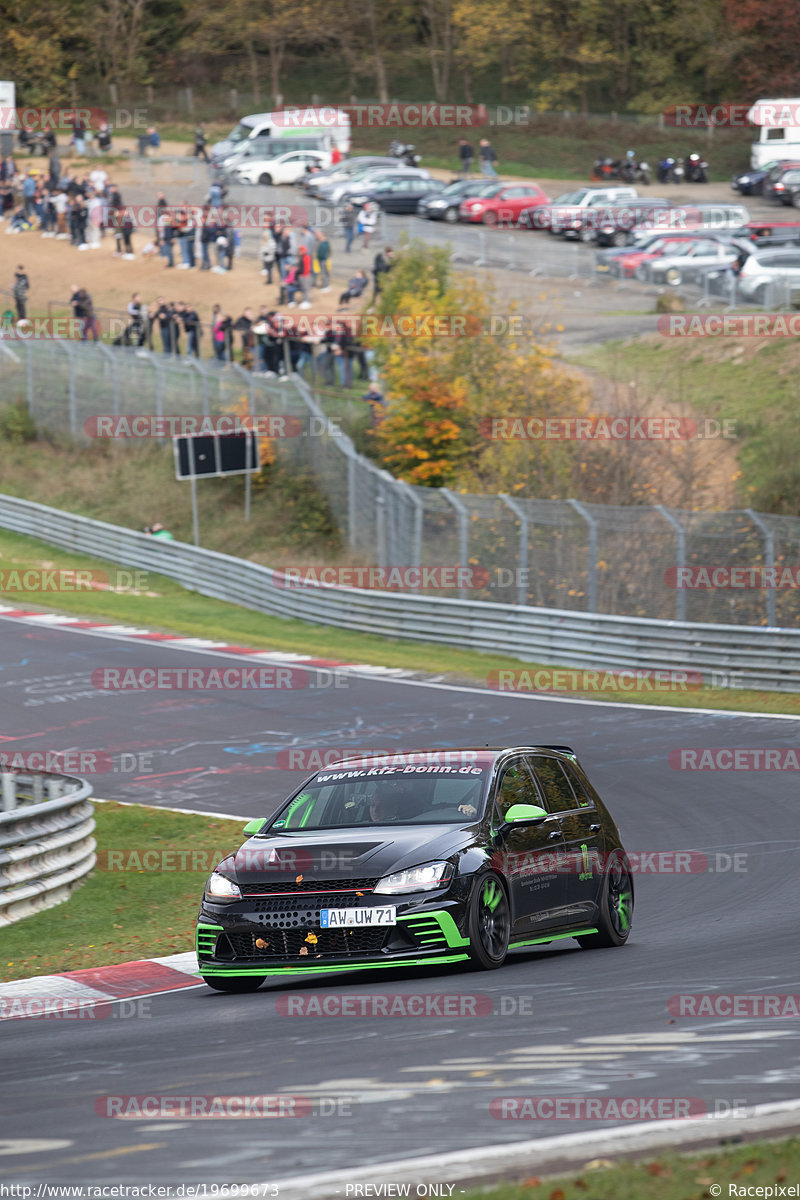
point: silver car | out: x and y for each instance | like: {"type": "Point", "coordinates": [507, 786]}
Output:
{"type": "Point", "coordinates": [770, 276]}
{"type": "Point", "coordinates": [692, 261]}
{"type": "Point", "coordinates": [338, 193]}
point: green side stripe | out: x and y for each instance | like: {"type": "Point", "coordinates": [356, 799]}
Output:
{"type": "Point", "coordinates": [553, 937]}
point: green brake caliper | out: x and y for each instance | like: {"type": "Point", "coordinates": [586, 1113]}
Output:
{"type": "Point", "coordinates": [623, 909]}
{"type": "Point", "coordinates": [491, 894]}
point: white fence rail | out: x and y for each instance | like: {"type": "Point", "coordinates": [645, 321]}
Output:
{"type": "Point", "coordinates": [46, 845]}
{"type": "Point", "coordinates": [726, 655]}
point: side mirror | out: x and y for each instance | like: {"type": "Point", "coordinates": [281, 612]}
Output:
{"type": "Point", "coordinates": [255, 826]}
{"type": "Point", "coordinates": [526, 814]}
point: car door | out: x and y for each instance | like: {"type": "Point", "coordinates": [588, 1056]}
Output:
{"type": "Point", "coordinates": [581, 827]}
{"type": "Point", "coordinates": [528, 855]}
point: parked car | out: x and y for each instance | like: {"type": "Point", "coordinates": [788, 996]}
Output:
{"type": "Point", "coordinates": [624, 263]}
{"type": "Point", "coordinates": [751, 183]}
{"type": "Point", "coordinates": [770, 234]}
{"type": "Point", "coordinates": [768, 267]}
{"type": "Point", "coordinates": [774, 187]}
{"type": "Point", "coordinates": [445, 204]}
{"type": "Point", "coordinates": [568, 217]}
{"type": "Point", "coordinates": [347, 169]}
{"type": "Point", "coordinates": [787, 188]}
{"type": "Point", "coordinates": [267, 147]}
{"type": "Point", "coordinates": [689, 262]}
{"type": "Point", "coordinates": [502, 204]}
{"type": "Point", "coordinates": [616, 224]}
{"type": "Point", "coordinates": [360, 181]}
{"type": "Point", "coordinates": [397, 195]}
{"type": "Point", "coordinates": [286, 168]}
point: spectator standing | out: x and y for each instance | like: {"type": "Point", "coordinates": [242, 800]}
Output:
{"type": "Point", "coordinates": [488, 159]}
{"type": "Point", "coordinates": [466, 154]}
{"type": "Point", "coordinates": [268, 253]}
{"type": "Point", "coordinates": [165, 318]}
{"type": "Point", "coordinates": [29, 193]}
{"type": "Point", "coordinates": [79, 136]}
{"type": "Point", "coordinates": [369, 221]}
{"type": "Point", "coordinates": [191, 323]}
{"type": "Point", "coordinates": [200, 142]}
{"type": "Point", "coordinates": [304, 275]}
{"type": "Point", "coordinates": [20, 291]}
{"type": "Point", "coordinates": [244, 326]}
{"type": "Point", "coordinates": [323, 258]}
{"type": "Point", "coordinates": [348, 226]}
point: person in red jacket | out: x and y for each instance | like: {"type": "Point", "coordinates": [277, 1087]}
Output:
{"type": "Point", "coordinates": [304, 272]}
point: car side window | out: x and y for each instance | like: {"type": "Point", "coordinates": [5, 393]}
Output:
{"type": "Point", "coordinates": [558, 793]}
{"type": "Point", "coordinates": [582, 794]}
{"type": "Point", "coordinates": [515, 786]}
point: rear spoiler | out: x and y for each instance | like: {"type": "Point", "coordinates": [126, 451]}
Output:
{"type": "Point", "coordinates": [563, 750]}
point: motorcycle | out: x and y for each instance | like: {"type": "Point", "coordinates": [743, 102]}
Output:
{"type": "Point", "coordinates": [671, 170]}
{"type": "Point", "coordinates": [696, 169]}
{"type": "Point", "coordinates": [628, 170]}
{"type": "Point", "coordinates": [405, 152]}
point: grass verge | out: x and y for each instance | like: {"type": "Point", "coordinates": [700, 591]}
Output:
{"type": "Point", "coordinates": [669, 1177]}
{"type": "Point", "coordinates": [125, 911]}
{"type": "Point", "coordinates": [167, 606]}
{"type": "Point", "coordinates": [751, 382]}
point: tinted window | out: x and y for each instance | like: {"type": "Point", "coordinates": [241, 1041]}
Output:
{"type": "Point", "coordinates": [559, 796]}
{"type": "Point", "coordinates": [516, 787]}
{"type": "Point", "coordinates": [584, 798]}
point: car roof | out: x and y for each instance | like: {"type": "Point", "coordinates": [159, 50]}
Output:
{"type": "Point", "coordinates": [479, 756]}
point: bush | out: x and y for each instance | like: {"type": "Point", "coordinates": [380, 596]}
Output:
{"type": "Point", "coordinates": [16, 424]}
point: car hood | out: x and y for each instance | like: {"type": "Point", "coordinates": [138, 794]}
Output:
{"type": "Point", "coordinates": [346, 854]}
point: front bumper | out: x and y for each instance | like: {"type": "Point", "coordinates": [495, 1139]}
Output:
{"type": "Point", "coordinates": [431, 929]}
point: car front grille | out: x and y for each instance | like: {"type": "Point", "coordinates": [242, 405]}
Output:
{"type": "Point", "coordinates": [274, 887]}
{"type": "Point", "coordinates": [287, 943]}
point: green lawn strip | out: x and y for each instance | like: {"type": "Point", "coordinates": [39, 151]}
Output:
{"type": "Point", "coordinates": [173, 609]}
{"type": "Point", "coordinates": [131, 906]}
{"type": "Point", "coordinates": [670, 1176]}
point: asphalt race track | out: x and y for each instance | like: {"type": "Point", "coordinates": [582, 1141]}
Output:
{"type": "Point", "coordinates": [564, 1021]}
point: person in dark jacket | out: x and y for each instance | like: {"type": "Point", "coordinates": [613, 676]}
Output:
{"type": "Point", "coordinates": [20, 291]}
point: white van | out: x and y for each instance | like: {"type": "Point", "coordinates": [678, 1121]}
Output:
{"type": "Point", "coordinates": [778, 123]}
{"type": "Point", "coordinates": [293, 123]}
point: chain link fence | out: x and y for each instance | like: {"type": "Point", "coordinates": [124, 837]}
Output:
{"type": "Point", "coordinates": [558, 554]}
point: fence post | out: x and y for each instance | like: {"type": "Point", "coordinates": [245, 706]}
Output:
{"type": "Point", "coordinates": [352, 510]}
{"type": "Point", "coordinates": [416, 536]}
{"type": "Point", "coordinates": [769, 561]}
{"type": "Point", "coordinates": [680, 534]}
{"type": "Point", "coordinates": [522, 557]}
{"type": "Point", "coordinates": [380, 526]}
{"type": "Point", "coordinates": [463, 534]}
{"type": "Point", "coordinates": [592, 525]}
{"type": "Point", "coordinates": [29, 376]}
{"type": "Point", "coordinates": [9, 790]}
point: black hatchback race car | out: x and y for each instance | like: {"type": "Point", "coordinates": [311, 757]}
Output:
{"type": "Point", "coordinates": [420, 858]}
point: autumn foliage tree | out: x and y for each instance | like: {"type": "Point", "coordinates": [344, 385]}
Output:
{"type": "Point", "coordinates": [451, 393]}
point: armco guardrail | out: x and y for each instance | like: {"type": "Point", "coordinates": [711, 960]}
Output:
{"type": "Point", "coordinates": [736, 655]}
{"type": "Point", "coordinates": [46, 845]}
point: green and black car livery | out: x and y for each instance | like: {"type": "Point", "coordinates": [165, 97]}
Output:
{"type": "Point", "coordinates": [420, 858]}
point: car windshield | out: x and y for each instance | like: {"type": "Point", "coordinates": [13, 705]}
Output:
{"type": "Point", "coordinates": [570, 197]}
{"type": "Point", "coordinates": [241, 132]}
{"type": "Point", "coordinates": [491, 189]}
{"type": "Point", "coordinates": [370, 796]}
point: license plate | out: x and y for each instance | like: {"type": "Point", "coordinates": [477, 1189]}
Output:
{"type": "Point", "coordinates": [602, 267]}
{"type": "Point", "coordinates": [334, 918]}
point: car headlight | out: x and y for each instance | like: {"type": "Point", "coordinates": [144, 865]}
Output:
{"type": "Point", "coordinates": [220, 888]}
{"type": "Point", "coordinates": [437, 203]}
{"type": "Point", "coordinates": [416, 879]}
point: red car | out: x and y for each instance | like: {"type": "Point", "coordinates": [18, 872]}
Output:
{"type": "Point", "coordinates": [502, 203]}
